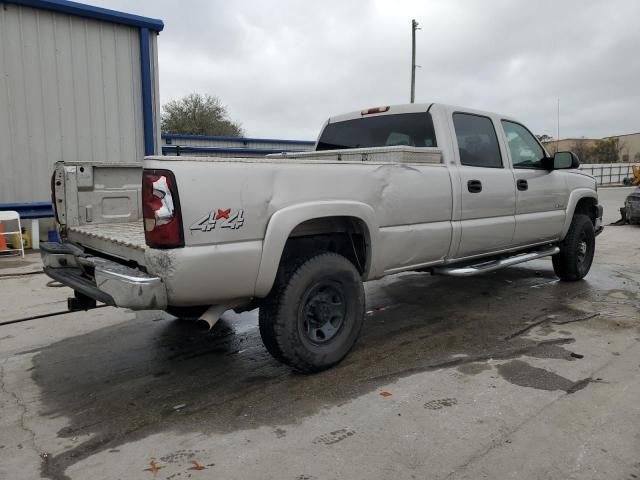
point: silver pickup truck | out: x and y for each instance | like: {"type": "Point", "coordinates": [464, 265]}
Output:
{"type": "Point", "coordinates": [425, 187]}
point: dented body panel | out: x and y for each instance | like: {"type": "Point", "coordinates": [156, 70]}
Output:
{"type": "Point", "coordinates": [413, 205]}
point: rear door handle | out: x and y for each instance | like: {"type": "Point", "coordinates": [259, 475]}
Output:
{"type": "Point", "coordinates": [522, 185]}
{"type": "Point", "coordinates": [474, 186]}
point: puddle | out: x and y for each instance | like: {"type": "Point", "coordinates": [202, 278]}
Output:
{"type": "Point", "coordinates": [522, 374]}
{"type": "Point", "coordinates": [123, 382]}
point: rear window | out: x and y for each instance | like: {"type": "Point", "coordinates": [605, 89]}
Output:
{"type": "Point", "coordinates": [411, 129]}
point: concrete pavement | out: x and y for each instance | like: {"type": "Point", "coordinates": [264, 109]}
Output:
{"type": "Point", "coordinates": [508, 375]}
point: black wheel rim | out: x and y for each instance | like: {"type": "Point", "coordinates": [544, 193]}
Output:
{"type": "Point", "coordinates": [584, 254]}
{"type": "Point", "coordinates": [323, 312]}
{"type": "Point", "coordinates": [583, 248]}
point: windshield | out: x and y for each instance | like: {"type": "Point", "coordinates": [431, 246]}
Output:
{"type": "Point", "coordinates": [411, 129]}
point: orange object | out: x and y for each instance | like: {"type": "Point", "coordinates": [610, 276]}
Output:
{"type": "Point", "coordinates": [386, 394]}
{"type": "Point", "coordinates": [3, 240]}
{"type": "Point", "coordinates": [636, 175]}
{"type": "Point", "coordinates": [196, 466]}
{"type": "Point", "coordinates": [153, 468]}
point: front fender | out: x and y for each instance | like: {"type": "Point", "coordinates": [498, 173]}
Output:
{"type": "Point", "coordinates": [282, 223]}
{"type": "Point", "coordinates": [574, 197]}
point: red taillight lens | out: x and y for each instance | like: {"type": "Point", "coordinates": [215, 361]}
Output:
{"type": "Point", "coordinates": [161, 210]}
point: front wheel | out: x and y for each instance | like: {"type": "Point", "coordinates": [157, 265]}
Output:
{"type": "Point", "coordinates": [313, 316]}
{"type": "Point", "coordinates": [576, 250]}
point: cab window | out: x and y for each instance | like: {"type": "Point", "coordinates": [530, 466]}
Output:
{"type": "Point", "coordinates": [525, 150]}
{"type": "Point", "coordinates": [477, 141]}
{"type": "Point", "coordinates": [410, 129]}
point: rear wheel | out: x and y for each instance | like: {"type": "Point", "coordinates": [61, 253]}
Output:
{"type": "Point", "coordinates": [576, 250]}
{"type": "Point", "coordinates": [313, 316]}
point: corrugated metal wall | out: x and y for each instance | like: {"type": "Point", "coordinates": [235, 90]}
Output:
{"type": "Point", "coordinates": [70, 89]}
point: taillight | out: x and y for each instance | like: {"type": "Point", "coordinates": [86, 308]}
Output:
{"type": "Point", "coordinates": [161, 210]}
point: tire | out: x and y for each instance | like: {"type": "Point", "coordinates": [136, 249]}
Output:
{"type": "Point", "coordinates": [314, 313]}
{"type": "Point", "coordinates": [576, 250]}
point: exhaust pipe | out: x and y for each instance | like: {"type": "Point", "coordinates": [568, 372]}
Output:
{"type": "Point", "coordinates": [211, 316]}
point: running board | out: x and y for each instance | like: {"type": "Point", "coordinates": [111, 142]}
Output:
{"type": "Point", "coordinates": [490, 266]}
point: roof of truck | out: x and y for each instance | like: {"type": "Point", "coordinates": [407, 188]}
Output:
{"type": "Point", "coordinates": [409, 108]}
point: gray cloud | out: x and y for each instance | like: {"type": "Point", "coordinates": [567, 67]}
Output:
{"type": "Point", "coordinates": [283, 67]}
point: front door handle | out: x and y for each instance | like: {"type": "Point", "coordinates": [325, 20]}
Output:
{"type": "Point", "coordinates": [522, 185]}
{"type": "Point", "coordinates": [474, 186]}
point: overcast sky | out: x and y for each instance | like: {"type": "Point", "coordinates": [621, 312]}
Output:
{"type": "Point", "coordinates": [282, 67]}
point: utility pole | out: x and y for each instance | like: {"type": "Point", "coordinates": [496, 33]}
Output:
{"type": "Point", "coordinates": [414, 27]}
{"type": "Point", "coordinates": [558, 111]}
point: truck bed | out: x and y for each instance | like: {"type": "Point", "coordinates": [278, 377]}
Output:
{"type": "Point", "coordinates": [123, 240]}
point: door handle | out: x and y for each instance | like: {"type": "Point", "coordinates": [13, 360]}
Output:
{"type": "Point", "coordinates": [522, 185]}
{"type": "Point", "coordinates": [474, 186]}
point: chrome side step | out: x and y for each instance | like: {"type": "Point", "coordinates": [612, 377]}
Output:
{"type": "Point", "coordinates": [490, 266]}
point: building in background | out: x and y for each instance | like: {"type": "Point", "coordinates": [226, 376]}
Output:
{"type": "Point", "coordinates": [77, 83]}
{"type": "Point", "coordinates": [615, 148]}
{"type": "Point", "coordinates": [201, 145]}
{"type": "Point", "coordinates": [630, 147]}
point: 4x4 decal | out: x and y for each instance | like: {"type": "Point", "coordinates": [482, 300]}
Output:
{"type": "Point", "coordinates": [221, 218]}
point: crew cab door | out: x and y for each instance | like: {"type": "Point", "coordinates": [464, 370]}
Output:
{"type": "Point", "coordinates": [541, 195]}
{"type": "Point", "coordinates": [487, 188]}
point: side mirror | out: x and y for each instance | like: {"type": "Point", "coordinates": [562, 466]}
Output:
{"type": "Point", "coordinates": [565, 160]}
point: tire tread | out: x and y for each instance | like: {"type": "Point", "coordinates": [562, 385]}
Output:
{"type": "Point", "coordinates": [565, 262]}
{"type": "Point", "coordinates": [272, 320]}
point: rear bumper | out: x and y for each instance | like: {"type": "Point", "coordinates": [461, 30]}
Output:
{"type": "Point", "coordinates": [101, 279]}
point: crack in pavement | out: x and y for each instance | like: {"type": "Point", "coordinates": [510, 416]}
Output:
{"type": "Point", "coordinates": [23, 410]}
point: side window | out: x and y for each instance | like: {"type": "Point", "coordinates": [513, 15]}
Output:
{"type": "Point", "coordinates": [525, 150]}
{"type": "Point", "coordinates": [477, 141]}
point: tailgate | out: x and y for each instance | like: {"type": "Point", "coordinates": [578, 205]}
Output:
{"type": "Point", "coordinates": [99, 206]}
{"type": "Point", "coordinates": [122, 240]}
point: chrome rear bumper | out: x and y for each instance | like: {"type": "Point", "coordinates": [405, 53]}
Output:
{"type": "Point", "coordinates": [103, 280]}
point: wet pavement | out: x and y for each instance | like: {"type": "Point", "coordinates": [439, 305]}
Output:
{"type": "Point", "coordinates": [508, 375]}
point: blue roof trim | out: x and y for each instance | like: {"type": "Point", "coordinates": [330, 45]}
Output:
{"type": "Point", "coordinates": [192, 149]}
{"type": "Point", "coordinates": [179, 136]}
{"type": "Point", "coordinates": [30, 210]}
{"type": "Point", "coordinates": [89, 11]}
{"type": "Point", "coordinates": [147, 98]}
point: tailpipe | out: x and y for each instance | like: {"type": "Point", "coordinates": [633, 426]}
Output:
{"type": "Point", "coordinates": [210, 317]}
{"type": "Point", "coordinates": [204, 324]}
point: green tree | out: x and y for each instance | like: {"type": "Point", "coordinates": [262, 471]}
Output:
{"type": "Point", "coordinates": [607, 150]}
{"type": "Point", "coordinates": [197, 114]}
{"type": "Point", "coordinates": [582, 149]}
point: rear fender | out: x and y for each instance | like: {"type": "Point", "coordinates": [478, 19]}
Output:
{"type": "Point", "coordinates": [283, 222]}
